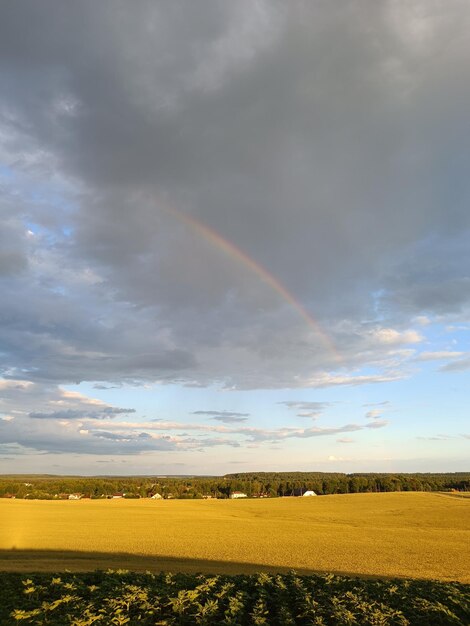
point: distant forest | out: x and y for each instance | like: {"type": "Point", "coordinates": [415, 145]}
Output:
{"type": "Point", "coordinates": [255, 484]}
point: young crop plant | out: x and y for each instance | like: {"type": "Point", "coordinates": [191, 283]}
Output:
{"type": "Point", "coordinates": [123, 598]}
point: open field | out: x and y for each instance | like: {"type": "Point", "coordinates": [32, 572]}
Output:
{"type": "Point", "coordinates": [418, 535]}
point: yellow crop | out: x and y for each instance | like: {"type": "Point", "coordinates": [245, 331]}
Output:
{"type": "Point", "coordinates": [422, 535]}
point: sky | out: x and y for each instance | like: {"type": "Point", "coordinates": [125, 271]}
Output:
{"type": "Point", "coordinates": [234, 236]}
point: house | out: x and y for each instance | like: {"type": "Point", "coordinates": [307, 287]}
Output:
{"type": "Point", "coordinates": [156, 496]}
{"type": "Point", "coordinates": [309, 493]}
{"type": "Point", "coordinates": [118, 495]}
{"type": "Point", "coordinates": [75, 496]}
{"type": "Point", "coordinates": [238, 494]}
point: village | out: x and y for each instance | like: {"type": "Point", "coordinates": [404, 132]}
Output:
{"type": "Point", "coordinates": [234, 495]}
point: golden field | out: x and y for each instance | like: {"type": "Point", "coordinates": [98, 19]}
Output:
{"type": "Point", "coordinates": [420, 535]}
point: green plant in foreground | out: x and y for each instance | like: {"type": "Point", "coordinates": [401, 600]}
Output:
{"type": "Point", "coordinates": [121, 598]}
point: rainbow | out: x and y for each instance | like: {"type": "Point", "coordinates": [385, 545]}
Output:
{"type": "Point", "coordinates": [227, 247]}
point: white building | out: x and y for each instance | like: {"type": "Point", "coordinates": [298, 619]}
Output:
{"type": "Point", "coordinates": [238, 494]}
{"type": "Point", "coordinates": [156, 496]}
{"type": "Point", "coordinates": [309, 493]}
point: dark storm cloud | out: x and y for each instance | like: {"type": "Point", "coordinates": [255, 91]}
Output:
{"type": "Point", "coordinates": [327, 142]}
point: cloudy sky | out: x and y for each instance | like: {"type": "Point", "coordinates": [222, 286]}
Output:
{"type": "Point", "coordinates": [234, 236]}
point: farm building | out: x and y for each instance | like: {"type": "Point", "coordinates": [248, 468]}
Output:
{"type": "Point", "coordinates": [238, 494]}
{"type": "Point", "coordinates": [309, 493]}
{"type": "Point", "coordinates": [75, 496]}
{"type": "Point", "coordinates": [156, 496]}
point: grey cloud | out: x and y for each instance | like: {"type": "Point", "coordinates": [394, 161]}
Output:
{"type": "Point", "coordinates": [106, 435]}
{"type": "Point", "coordinates": [207, 442]}
{"type": "Point", "coordinates": [67, 414]}
{"type": "Point", "coordinates": [228, 417]}
{"type": "Point", "coordinates": [452, 328]}
{"type": "Point", "coordinates": [251, 433]}
{"type": "Point", "coordinates": [460, 365]}
{"type": "Point", "coordinates": [20, 398]}
{"type": "Point", "coordinates": [439, 355]}
{"type": "Point", "coordinates": [287, 130]}
{"type": "Point", "coordinates": [13, 239]}
{"type": "Point", "coordinates": [383, 403]}
{"type": "Point", "coordinates": [307, 409]}
{"type": "Point", "coordinates": [223, 413]}
{"type": "Point", "coordinates": [104, 387]}
{"type": "Point", "coordinates": [321, 432]}
{"type": "Point", "coordinates": [435, 438]}
{"type": "Point", "coordinates": [377, 423]}
{"type": "Point", "coordinates": [305, 406]}
{"type": "Point", "coordinates": [12, 262]}
{"type": "Point", "coordinates": [440, 297]}
{"type": "Point", "coordinates": [54, 340]}
{"type": "Point", "coordinates": [436, 282]}
{"type": "Point", "coordinates": [44, 436]}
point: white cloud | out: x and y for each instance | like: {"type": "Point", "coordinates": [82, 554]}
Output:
{"type": "Point", "coordinates": [331, 380]}
{"type": "Point", "coordinates": [390, 336]}
{"type": "Point", "coordinates": [377, 423]}
{"type": "Point", "coordinates": [422, 320]}
{"type": "Point", "coordinates": [438, 355]}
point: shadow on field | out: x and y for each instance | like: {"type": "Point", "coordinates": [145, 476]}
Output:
{"type": "Point", "coordinates": [29, 561]}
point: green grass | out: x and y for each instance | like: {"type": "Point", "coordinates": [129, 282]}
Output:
{"type": "Point", "coordinates": [410, 535]}
{"type": "Point", "coordinates": [119, 598]}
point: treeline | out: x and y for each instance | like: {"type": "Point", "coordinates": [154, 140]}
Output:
{"type": "Point", "coordinates": [293, 483]}
{"type": "Point", "coordinates": [256, 484]}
